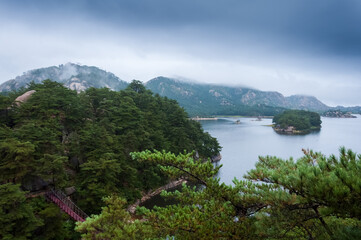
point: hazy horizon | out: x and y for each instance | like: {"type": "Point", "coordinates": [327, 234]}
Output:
{"type": "Point", "coordinates": [299, 47]}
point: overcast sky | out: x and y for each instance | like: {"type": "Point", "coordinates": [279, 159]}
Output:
{"type": "Point", "coordinates": [294, 47]}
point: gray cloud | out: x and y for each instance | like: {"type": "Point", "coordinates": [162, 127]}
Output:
{"type": "Point", "coordinates": [306, 47]}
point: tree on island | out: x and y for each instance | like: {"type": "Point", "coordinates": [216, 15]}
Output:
{"type": "Point", "coordinates": [300, 120]}
{"type": "Point", "coordinates": [315, 197]}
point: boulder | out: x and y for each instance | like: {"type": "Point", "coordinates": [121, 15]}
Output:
{"type": "Point", "coordinates": [25, 97]}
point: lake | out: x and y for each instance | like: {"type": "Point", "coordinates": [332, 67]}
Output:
{"type": "Point", "coordinates": [243, 143]}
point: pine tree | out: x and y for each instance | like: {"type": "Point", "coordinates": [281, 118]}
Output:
{"type": "Point", "coordinates": [16, 160]}
{"type": "Point", "coordinates": [114, 223]}
{"type": "Point", "coordinates": [17, 220]}
{"type": "Point", "coordinates": [314, 189]}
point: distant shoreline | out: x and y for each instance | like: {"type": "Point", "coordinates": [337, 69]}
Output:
{"type": "Point", "coordinates": [203, 118]}
{"type": "Point", "coordinates": [242, 116]}
{"type": "Point", "coordinates": [228, 116]}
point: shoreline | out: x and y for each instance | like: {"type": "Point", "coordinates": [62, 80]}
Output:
{"type": "Point", "coordinates": [216, 117]}
{"type": "Point", "coordinates": [203, 118]}
{"type": "Point", "coordinates": [242, 116]}
{"type": "Point", "coordinates": [216, 158]}
{"type": "Point", "coordinates": [283, 131]}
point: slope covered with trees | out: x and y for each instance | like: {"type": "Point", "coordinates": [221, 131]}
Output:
{"type": "Point", "coordinates": [211, 99]}
{"type": "Point", "coordinates": [61, 139]}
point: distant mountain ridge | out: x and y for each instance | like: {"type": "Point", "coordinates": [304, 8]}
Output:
{"type": "Point", "coordinates": [197, 98]}
{"type": "Point", "coordinates": [74, 76]}
{"type": "Point", "coordinates": [216, 99]}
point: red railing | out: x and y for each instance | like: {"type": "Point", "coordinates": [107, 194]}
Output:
{"type": "Point", "coordinates": [65, 204]}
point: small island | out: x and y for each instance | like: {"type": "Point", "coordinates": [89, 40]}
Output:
{"type": "Point", "coordinates": [337, 114]}
{"type": "Point", "coordinates": [296, 122]}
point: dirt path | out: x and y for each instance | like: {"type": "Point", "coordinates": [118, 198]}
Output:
{"type": "Point", "coordinates": [151, 194]}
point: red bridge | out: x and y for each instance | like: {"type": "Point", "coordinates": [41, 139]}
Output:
{"type": "Point", "coordinates": [65, 204]}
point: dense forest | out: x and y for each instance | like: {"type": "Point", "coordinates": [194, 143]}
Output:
{"type": "Point", "coordinates": [299, 119]}
{"type": "Point", "coordinates": [61, 139]}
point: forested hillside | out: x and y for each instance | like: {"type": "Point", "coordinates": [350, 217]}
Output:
{"type": "Point", "coordinates": [59, 138]}
{"type": "Point", "coordinates": [210, 99]}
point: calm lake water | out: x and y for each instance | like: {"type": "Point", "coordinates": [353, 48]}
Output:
{"type": "Point", "coordinates": [243, 143]}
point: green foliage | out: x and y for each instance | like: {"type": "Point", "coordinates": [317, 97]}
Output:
{"type": "Point", "coordinates": [16, 160]}
{"type": "Point", "coordinates": [322, 191]}
{"type": "Point", "coordinates": [99, 178]}
{"type": "Point", "coordinates": [64, 139]}
{"type": "Point", "coordinates": [317, 180]}
{"type": "Point", "coordinates": [51, 169]}
{"type": "Point", "coordinates": [114, 223]}
{"type": "Point", "coordinates": [54, 223]}
{"type": "Point", "coordinates": [17, 220]}
{"type": "Point", "coordinates": [136, 86]}
{"type": "Point", "coordinates": [300, 119]}
{"type": "Point", "coordinates": [5, 103]}
{"type": "Point", "coordinates": [314, 197]}
{"type": "Point", "coordinates": [216, 211]}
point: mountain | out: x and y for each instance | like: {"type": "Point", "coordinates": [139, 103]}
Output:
{"type": "Point", "coordinates": [303, 102]}
{"type": "Point", "coordinates": [211, 99]}
{"type": "Point", "coordinates": [73, 76]}
{"type": "Point", "coordinates": [196, 98]}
